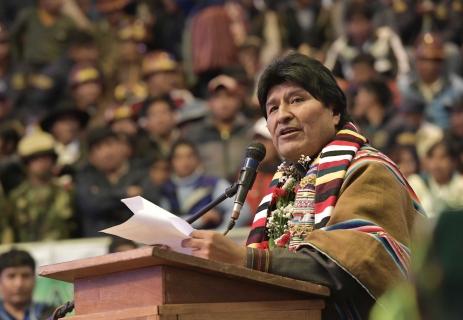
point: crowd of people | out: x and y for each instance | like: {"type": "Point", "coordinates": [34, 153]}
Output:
{"type": "Point", "coordinates": [102, 100]}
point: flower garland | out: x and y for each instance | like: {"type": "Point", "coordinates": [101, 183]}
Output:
{"type": "Point", "coordinates": [283, 201]}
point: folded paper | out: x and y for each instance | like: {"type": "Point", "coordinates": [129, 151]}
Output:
{"type": "Point", "coordinates": [152, 225]}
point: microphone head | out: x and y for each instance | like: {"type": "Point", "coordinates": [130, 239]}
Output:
{"type": "Point", "coordinates": [256, 151]}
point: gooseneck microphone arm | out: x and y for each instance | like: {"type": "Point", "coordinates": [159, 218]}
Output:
{"type": "Point", "coordinates": [255, 152]}
{"type": "Point", "coordinates": [229, 192]}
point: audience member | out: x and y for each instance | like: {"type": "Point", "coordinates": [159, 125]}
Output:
{"type": "Point", "coordinates": [190, 188]}
{"type": "Point", "coordinates": [107, 178]}
{"type": "Point", "coordinates": [17, 281]}
{"type": "Point", "coordinates": [40, 208]}
{"type": "Point", "coordinates": [224, 134]}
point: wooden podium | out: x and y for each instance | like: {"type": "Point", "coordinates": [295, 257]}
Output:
{"type": "Point", "coordinates": [152, 283]}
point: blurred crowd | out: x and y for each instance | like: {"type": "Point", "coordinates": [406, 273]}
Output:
{"type": "Point", "coordinates": [106, 99]}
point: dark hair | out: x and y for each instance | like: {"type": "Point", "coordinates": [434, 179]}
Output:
{"type": "Point", "coordinates": [16, 258]}
{"type": "Point", "coordinates": [100, 134]}
{"type": "Point", "coordinates": [308, 73]}
{"type": "Point", "coordinates": [380, 90]}
{"type": "Point", "coordinates": [150, 101]}
{"type": "Point", "coordinates": [183, 142]}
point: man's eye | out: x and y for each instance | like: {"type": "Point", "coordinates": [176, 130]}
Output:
{"type": "Point", "coordinates": [272, 109]}
{"type": "Point", "coordinates": [296, 100]}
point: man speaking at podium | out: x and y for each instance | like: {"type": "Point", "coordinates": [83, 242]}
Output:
{"type": "Point", "coordinates": [338, 213]}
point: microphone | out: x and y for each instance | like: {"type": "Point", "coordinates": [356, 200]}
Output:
{"type": "Point", "coordinates": [255, 152]}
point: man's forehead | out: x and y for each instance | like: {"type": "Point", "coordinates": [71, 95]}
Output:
{"type": "Point", "coordinates": [285, 88]}
{"type": "Point", "coordinates": [17, 270]}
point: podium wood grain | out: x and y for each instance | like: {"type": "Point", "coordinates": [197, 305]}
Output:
{"type": "Point", "coordinates": [146, 283]}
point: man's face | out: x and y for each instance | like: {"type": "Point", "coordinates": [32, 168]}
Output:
{"type": "Point", "coordinates": [429, 70]}
{"type": "Point", "coordinates": [224, 105]}
{"type": "Point", "coordinates": [109, 155]}
{"type": "Point", "coordinates": [440, 165]}
{"type": "Point", "coordinates": [65, 130]}
{"type": "Point", "coordinates": [161, 83]}
{"type": "Point", "coordinates": [41, 166]}
{"type": "Point", "coordinates": [184, 161]}
{"type": "Point", "coordinates": [87, 94]}
{"type": "Point", "coordinates": [299, 124]}
{"type": "Point", "coordinates": [17, 284]}
{"type": "Point", "coordinates": [359, 28]}
{"type": "Point", "coordinates": [363, 100]}
{"type": "Point", "coordinates": [160, 120]}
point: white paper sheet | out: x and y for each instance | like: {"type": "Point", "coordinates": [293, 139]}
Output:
{"type": "Point", "coordinates": [151, 225]}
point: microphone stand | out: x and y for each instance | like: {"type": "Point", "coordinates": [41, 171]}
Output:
{"type": "Point", "coordinates": [228, 193]}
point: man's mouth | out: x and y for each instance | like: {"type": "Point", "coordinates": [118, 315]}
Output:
{"type": "Point", "coordinates": [287, 131]}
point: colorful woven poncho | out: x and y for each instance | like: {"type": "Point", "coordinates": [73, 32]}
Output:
{"type": "Point", "coordinates": [354, 206]}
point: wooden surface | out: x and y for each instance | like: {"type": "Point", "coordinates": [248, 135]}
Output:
{"type": "Point", "coordinates": [271, 310]}
{"type": "Point", "coordinates": [129, 289]}
{"type": "Point", "coordinates": [153, 256]}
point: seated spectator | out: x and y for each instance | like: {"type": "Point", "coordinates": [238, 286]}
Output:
{"type": "Point", "coordinates": [17, 281]}
{"type": "Point", "coordinates": [66, 125]}
{"type": "Point", "coordinates": [159, 174]}
{"type": "Point", "coordinates": [160, 72]}
{"type": "Point", "coordinates": [159, 121]}
{"type": "Point", "coordinates": [455, 132]}
{"type": "Point", "coordinates": [87, 92]}
{"type": "Point", "coordinates": [190, 189]}
{"type": "Point", "coordinates": [440, 186]}
{"type": "Point", "coordinates": [437, 87]}
{"type": "Point", "coordinates": [40, 34]}
{"type": "Point", "coordinates": [224, 134]}
{"type": "Point", "coordinates": [374, 111]}
{"type": "Point", "coordinates": [11, 173]}
{"type": "Point", "coordinates": [406, 158]}
{"type": "Point", "coordinates": [107, 178]}
{"type": "Point", "coordinates": [361, 36]}
{"type": "Point", "coordinates": [40, 208]}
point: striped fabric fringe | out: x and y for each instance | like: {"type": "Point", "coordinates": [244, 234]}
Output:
{"type": "Point", "coordinates": [399, 253]}
{"type": "Point", "coordinates": [367, 153]}
{"type": "Point", "coordinates": [335, 158]}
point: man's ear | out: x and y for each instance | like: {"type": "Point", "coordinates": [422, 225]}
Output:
{"type": "Point", "coordinates": [336, 119]}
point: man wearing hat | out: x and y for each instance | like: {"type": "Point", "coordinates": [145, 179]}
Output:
{"type": "Point", "coordinates": [224, 134]}
{"type": "Point", "coordinates": [88, 92]}
{"type": "Point", "coordinates": [40, 208]}
{"type": "Point", "coordinates": [435, 85]}
{"type": "Point", "coordinates": [132, 37]}
{"type": "Point", "coordinates": [66, 126]}
{"type": "Point", "coordinates": [160, 72]}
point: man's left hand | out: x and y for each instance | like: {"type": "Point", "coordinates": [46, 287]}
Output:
{"type": "Point", "coordinates": [215, 246]}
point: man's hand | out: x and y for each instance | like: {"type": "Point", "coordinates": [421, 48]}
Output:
{"type": "Point", "coordinates": [215, 246]}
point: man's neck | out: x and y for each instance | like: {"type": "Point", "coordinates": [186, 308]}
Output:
{"type": "Point", "coordinates": [115, 175]}
{"type": "Point", "coordinates": [16, 311]}
{"type": "Point", "coordinates": [39, 181]}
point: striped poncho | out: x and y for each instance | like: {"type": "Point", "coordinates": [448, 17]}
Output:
{"type": "Point", "coordinates": [362, 212]}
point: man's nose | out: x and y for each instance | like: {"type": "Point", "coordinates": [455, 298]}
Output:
{"type": "Point", "coordinates": [284, 114]}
